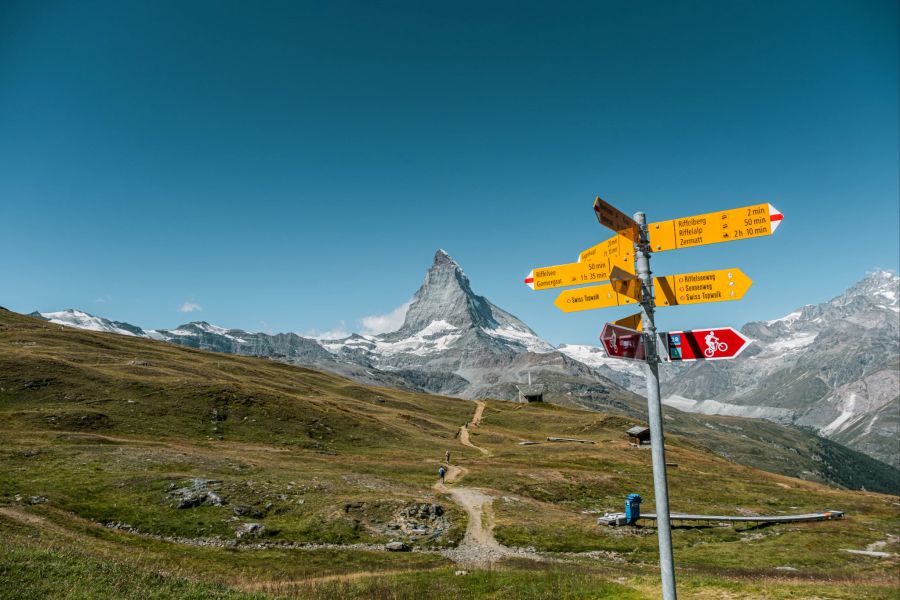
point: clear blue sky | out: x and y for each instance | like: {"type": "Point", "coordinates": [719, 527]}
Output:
{"type": "Point", "coordinates": [294, 166]}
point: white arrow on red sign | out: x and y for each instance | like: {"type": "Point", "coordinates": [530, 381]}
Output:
{"type": "Point", "coordinates": [621, 342]}
{"type": "Point", "coordinates": [706, 344]}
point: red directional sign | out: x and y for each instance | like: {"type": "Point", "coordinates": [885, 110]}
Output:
{"type": "Point", "coordinates": [706, 344]}
{"type": "Point", "coordinates": [621, 342]}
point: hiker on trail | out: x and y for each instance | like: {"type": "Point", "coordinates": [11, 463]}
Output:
{"type": "Point", "coordinates": [442, 471]}
{"type": "Point", "coordinates": [447, 457]}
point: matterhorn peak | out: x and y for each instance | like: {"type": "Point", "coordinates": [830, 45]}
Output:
{"type": "Point", "coordinates": [441, 258]}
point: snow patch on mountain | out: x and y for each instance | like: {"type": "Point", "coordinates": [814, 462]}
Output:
{"type": "Point", "coordinates": [528, 339]}
{"type": "Point", "coordinates": [436, 337]}
{"type": "Point", "coordinates": [838, 422]}
{"type": "Point", "coordinates": [713, 407]}
{"type": "Point", "coordinates": [594, 356]}
{"type": "Point", "coordinates": [168, 333]}
{"type": "Point", "coordinates": [790, 343]}
{"type": "Point", "coordinates": [82, 320]}
{"type": "Point", "coordinates": [787, 319]}
{"type": "Point", "coordinates": [216, 330]}
{"type": "Point", "coordinates": [833, 365]}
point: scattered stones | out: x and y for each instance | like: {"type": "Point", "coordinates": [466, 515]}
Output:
{"type": "Point", "coordinates": [248, 511]}
{"type": "Point", "coordinates": [418, 520]}
{"type": "Point", "coordinates": [606, 555]}
{"type": "Point", "coordinates": [196, 493]}
{"type": "Point", "coordinates": [424, 511]}
{"type": "Point", "coordinates": [121, 526]}
{"type": "Point", "coordinates": [37, 500]}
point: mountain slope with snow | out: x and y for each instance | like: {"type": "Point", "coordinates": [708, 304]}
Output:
{"type": "Point", "coordinates": [83, 320]}
{"type": "Point", "coordinates": [452, 341]}
{"type": "Point", "coordinates": [832, 367]}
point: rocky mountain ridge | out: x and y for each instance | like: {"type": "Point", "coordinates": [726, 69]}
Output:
{"type": "Point", "coordinates": [832, 367]}
{"type": "Point", "coordinates": [800, 370]}
{"type": "Point", "coordinates": [452, 342]}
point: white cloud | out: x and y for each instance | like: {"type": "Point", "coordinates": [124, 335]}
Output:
{"type": "Point", "coordinates": [335, 333]}
{"type": "Point", "coordinates": [190, 307]}
{"type": "Point", "coordinates": [392, 321]}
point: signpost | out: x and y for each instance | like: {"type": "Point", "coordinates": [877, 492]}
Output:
{"type": "Point", "coordinates": [654, 414]}
{"type": "Point", "coordinates": [712, 228]}
{"type": "Point", "coordinates": [618, 250]}
{"type": "Point", "coordinates": [613, 218]}
{"type": "Point", "coordinates": [624, 261]}
{"type": "Point", "coordinates": [631, 322]}
{"type": "Point", "coordinates": [622, 342]}
{"type": "Point", "coordinates": [707, 286]}
{"type": "Point", "coordinates": [589, 271]}
{"type": "Point", "coordinates": [687, 288]}
{"type": "Point", "coordinates": [706, 344]}
{"type": "Point", "coordinates": [596, 296]}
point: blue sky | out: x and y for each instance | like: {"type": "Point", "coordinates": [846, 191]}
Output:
{"type": "Point", "coordinates": [294, 166]}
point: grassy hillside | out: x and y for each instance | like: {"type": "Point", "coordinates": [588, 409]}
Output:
{"type": "Point", "coordinates": [769, 446]}
{"type": "Point", "coordinates": [104, 437]}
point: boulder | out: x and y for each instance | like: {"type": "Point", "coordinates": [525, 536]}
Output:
{"type": "Point", "coordinates": [249, 529]}
{"type": "Point", "coordinates": [396, 546]}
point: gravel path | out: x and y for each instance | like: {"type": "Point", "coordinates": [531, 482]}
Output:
{"type": "Point", "coordinates": [479, 548]}
{"type": "Point", "coordinates": [464, 430]}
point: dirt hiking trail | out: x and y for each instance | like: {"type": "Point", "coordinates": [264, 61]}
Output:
{"type": "Point", "coordinates": [478, 548]}
{"type": "Point", "coordinates": [464, 430]}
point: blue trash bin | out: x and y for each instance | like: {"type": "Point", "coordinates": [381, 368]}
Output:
{"type": "Point", "coordinates": [632, 508]}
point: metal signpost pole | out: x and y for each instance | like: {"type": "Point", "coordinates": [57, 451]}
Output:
{"type": "Point", "coordinates": [660, 483]}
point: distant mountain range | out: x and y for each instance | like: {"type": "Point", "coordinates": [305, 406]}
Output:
{"type": "Point", "coordinates": [833, 368]}
{"type": "Point", "coordinates": [452, 342]}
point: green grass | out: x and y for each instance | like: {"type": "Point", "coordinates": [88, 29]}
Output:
{"type": "Point", "coordinates": [103, 426]}
{"type": "Point", "coordinates": [522, 583]}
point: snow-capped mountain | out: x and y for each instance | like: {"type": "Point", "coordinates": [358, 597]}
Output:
{"type": "Point", "coordinates": [452, 342]}
{"type": "Point", "coordinates": [445, 314]}
{"type": "Point", "coordinates": [629, 374]}
{"type": "Point", "coordinates": [833, 367]}
{"type": "Point", "coordinates": [82, 320]}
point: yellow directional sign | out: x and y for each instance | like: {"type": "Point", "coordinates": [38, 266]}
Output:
{"type": "Point", "coordinates": [618, 250]}
{"type": "Point", "coordinates": [615, 219]}
{"type": "Point", "coordinates": [686, 288]}
{"type": "Point", "coordinates": [595, 296]}
{"type": "Point", "coordinates": [631, 322]}
{"type": "Point", "coordinates": [589, 271]}
{"type": "Point", "coordinates": [712, 228]}
{"type": "Point", "coordinates": [705, 286]}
